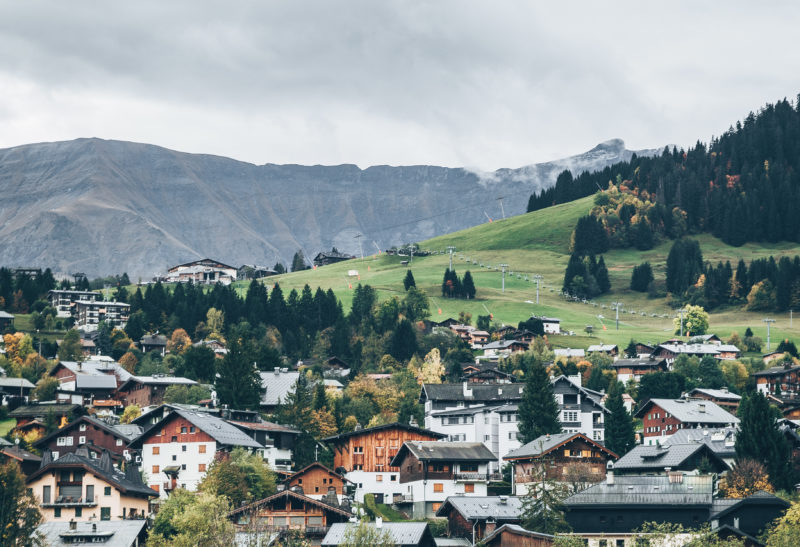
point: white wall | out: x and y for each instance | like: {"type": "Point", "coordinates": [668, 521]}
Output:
{"type": "Point", "coordinates": [187, 478]}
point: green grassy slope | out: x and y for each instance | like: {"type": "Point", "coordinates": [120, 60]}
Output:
{"type": "Point", "coordinates": [538, 243]}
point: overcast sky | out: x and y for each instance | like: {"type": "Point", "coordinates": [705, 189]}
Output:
{"type": "Point", "coordinates": [479, 84]}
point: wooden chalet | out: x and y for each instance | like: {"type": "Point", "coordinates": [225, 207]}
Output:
{"type": "Point", "coordinates": [628, 369]}
{"type": "Point", "coordinates": [330, 257]}
{"type": "Point", "coordinates": [63, 413]}
{"type": "Point", "coordinates": [721, 397]}
{"type": "Point", "coordinates": [148, 390]}
{"type": "Point", "coordinates": [488, 376]}
{"type": "Point", "coordinates": [513, 535]}
{"type": "Point", "coordinates": [662, 418]}
{"type": "Point", "coordinates": [782, 381]}
{"type": "Point", "coordinates": [27, 461]}
{"type": "Point", "coordinates": [556, 454]}
{"type": "Point", "coordinates": [475, 517]}
{"type": "Point", "coordinates": [153, 342]}
{"type": "Point", "coordinates": [6, 320]}
{"type": "Point", "coordinates": [317, 481]}
{"type": "Point", "coordinates": [289, 510]}
{"type": "Point", "coordinates": [86, 430]}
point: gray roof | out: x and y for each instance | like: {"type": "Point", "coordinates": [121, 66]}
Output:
{"type": "Point", "coordinates": [4, 442]}
{"type": "Point", "coordinates": [123, 532]}
{"type": "Point", "coordinates": [41, 410]}
{"type": "Point", "coordinates": [16, 383]}
{"type": "Point", "coordinates": [6, 315]}
{"type": "Point", "coordinates": [568, 352]}
{"type": "Point", "coordinates": [602, 347]}
{"type": "Point", "coordinates": [637, 490]}
{"type": "Point", "coordinates": [723, 394]}
{"type": "Point", "coordinates": [402, 533]}
{"type": "Point", "coordinates": [483, 507]}
{"type": "Point", "coordinates": [721, 440]}
{"type": "Point", "coordinates": [99, 381]}
{"type": "Point", "coordinates": [515, 529]}
{"type": "Point", "coordinates": [501, 344]}
{"type": "Point", "coordinates": [130, 481]}
{"type": "Point", "coordinates": [776, 371]}
{"type": "Point", "coordinates": [479, 392]}
{"type": "Point", "coordinates": [445, 451]}
{"type": "Point", "coordinates": [98, 365]}
{"type": "Point", "coordinates": [693, 411]}
{"type": "Point", "coordinates": [129, 431]}
{"type": "Point", "coordinates": [639, 363]}
{"type": "Point", "coordinates": [168, 380]}
{"type": "Point", "coordinates": [700, 349]}
{"type": "Point", "coordinates": [217, 428]}
{"type": "Point", "coordinates": [544, 444]}
{"type": "Point", "coordinates": [658, 457]}
{"type": "Point", "coordinates": [277, 385]}
{"type": "Point", "coordinates": [452, 542]}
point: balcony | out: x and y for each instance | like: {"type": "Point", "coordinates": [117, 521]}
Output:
{"type": "Point", "coordinates": [70, 501]}
{"type": "Point", "coordinates": [403, 498]}
{"type": "Point", "coordinates": [471, 476]}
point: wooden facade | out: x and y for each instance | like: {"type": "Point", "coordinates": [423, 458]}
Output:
{"type": "Point", "coordinates": [317, 480]}
{"type": "Point", "coordinates": [84, 431]}
{"type": "Point", "coordinates": [372, 449]}
{"type": "Point", "coordinates": [177, 429]}
{"type": "Point", "coordinates": [289, 510]}
{"type": "Point", "coordinates": [558, 460]}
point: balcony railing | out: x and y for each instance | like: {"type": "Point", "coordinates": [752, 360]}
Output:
{"type": "Point", "coordinates": [471, 476]}
{"type": "Point", "coordinates": [403, 498]}
{"type": "Point", "coordinates": [69, 501]}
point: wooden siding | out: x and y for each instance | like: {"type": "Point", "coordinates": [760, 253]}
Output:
{"type": "Point", "coordinates": [317, 481]}
{"type": "Point", "coordinates": [172, 428]}
{"type": "Point", "coordinates": [373, 450]}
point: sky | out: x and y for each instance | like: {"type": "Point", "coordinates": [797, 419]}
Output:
{"type": "Point", "coordinates": [482, 85]}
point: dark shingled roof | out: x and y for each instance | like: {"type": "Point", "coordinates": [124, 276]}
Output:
{"type": "Point", "coordinates": [481, 393]}
{"type": "Point", "coordinates": [443, 451]}
{"type": "Point", "coordinates": [546, 443]}
{"type": "Point", "coordinates": [483, 507]}
{"type": "Point", "coordinates": [87, 420]}
{"type": "Point", "coordinates": [214, 426]}
{"type": "Point", "coordinates": [659, 457]}
{"type": "Point", "coordinates": [637, 490]}
{"type": "Point", "coordinates": [40, 411]}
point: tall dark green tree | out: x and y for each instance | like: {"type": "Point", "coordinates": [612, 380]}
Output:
{"type": "Point", "coordinates": [589, 237]}
{"type": "Point", "coordinates": [299, 262]}
{"type": "Point", "coordinates": [619, 435]}
{"type": "Point", "coordinates": [684, 265]}
{"type": "Point", "coordinates": [538, 410]}
{"type": "Point", "coordinates": [296, 410]}
{"type": "Point", "coordinates": [239, 384]}
{"type": "Point", "coordinates": [403, 342]}
{"type": "Point", "coordinates": [641, 277]}
{"type": "Point", "coordinates": [760, 439]}
{"type": "Point", "coordinates": [408, 281]}
{"type": "Point", "coordinates": [468, 286]}
{"type": "Point", "coordinates": [601, 276]}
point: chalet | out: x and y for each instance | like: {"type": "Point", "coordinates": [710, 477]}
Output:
{"type": "Point", "coordinates": [149, 390]}
{"type": "Point", "coordinates": [291, 510]}
{"type": "Point", "coordinates": [644, 350]}
{"type": "Point", "coordinates": [432, 471]}
{"type": "Point", "coordinates": [202, 272]}
{"type": "Point", "coordinates": [488, 376]}
{"type": "Point", "coordinates": [611, 350]}
{"type": "Point", "coordinates": [436, 397]}
{"type": "Point", "coordinates": [580, 409]}
{"type": "Point", "coordinates": [63, 413]}
{"type": "Point", "coordinates": [27, 461]}
{"type": "Point", "coordinates": [6, 320]}
{"type": "Point", "coordinates": [721, 397]}
{"type": "Point", "coordinates": [402, 534]}
{"type": "Point", "coordinates": [67, 372]}
{"type": "Point", "coordinates": [317, 481]}
{"type": "Point", "coordinates": [691, 458]}
{"type": "Point", "coordinates": [87, 430]}
{"type": "Point", "coordinates": [503, 332]}
{"type": "Point", "coordinates": [474, 517]}
{"type": "Point", "coordinates": [462, 331]}
{"type": "Point", "coordinates": [551, 325]}
{"type": "Point", "coordinates": [524, 335]}
{"type": "Point", "coordinates": [214, 345]}
{"type": "Point", "coordinates": [719, 351]}
{"type": "Point", "coordinates": [277, 385]}
{"type": "Point", "coordinates": [705, 339]}
{"type": "Point", "coordinates": [89, 314]}
{"type": "Point", "coordinates": [516, 536]}
{"type": "Point", "coordinates": [116, 533]}
{"type": "Point", "coordinates": [64, 301]}
{"type": "Point", "coordinates": [493, 351]}
{"type": "Point", "coordinates": [278, 440]}
{"type": "Point", "coordinates": [15, 387]}
{"type": "Point", "coordinates": [628, 369]}
{"type": "Point", "coordinates": [153, 342]}
{"type": "Point", "coordinates": [365, 457]}
{"type": "Point", "coordinates": [330, 257]}
{"type": "Point", "coordinates": [477, 338]}
{"type": "Point", "coordinates": [178, 449]}
{"type": "Point", "coordinates": [75, 487]}
{"type": "Point", "coordinates": [247, 272]}
{"type": "Point", "coordinates": [661, 418]}
{"type": "Point", "coordinates": [614, 509]}
{"type": "Point", "coordinates": [721, 441]}
{"type": "Point", "coordinates": [768, 358]}
{"type": "Point", "coordinates": [780, 381]}
{"type": "Point", "coordinates": [556, 455]}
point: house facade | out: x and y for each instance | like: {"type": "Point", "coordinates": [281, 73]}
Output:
{"type": "Point", "coordinates": [64, 301]}
{"type": "Point", "coordinates": [317, 481]}
{"type": "Point", "coordinates": [148, 390]}
{"type": "Point", "coordinates": [634, 369]}
{"type": "Point", "coordinates": [474, 517]}
{"type": "Point", "coordinates": [580, 409]}
{"type": "Point", "coordinates": [86, 430]}
{"type": "Point", "coordinates": [662, 418]}
{"type": "Point", "coordinates": [89, 313]}
{"type": "Point", "coordinates": [203, 272]}
{"type": "Point", "coordinates": [432, 471]}
{"type": "Point", "coordinates": [364, 457]}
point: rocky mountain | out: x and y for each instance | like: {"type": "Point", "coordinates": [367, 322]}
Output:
{"type": "Point", "coordinates": [106, 207]}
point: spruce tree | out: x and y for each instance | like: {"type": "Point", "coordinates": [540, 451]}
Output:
{"type": "Point", "coordinates": [538, 410]}
{"type": "Point", "coordinates": [239, 384]}
{"type": "Point", "coordinates": [620, 437]}
{"type": "Point", "coordinates": [601, 276]}
{"type": "Point", "coordinates": [409, 282]}
{"type": "Point", "coordinates": [468, 286]}
{"type": "Point", "coordinates": [760, 439]}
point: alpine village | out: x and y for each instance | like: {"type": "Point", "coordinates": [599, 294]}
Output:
{"type": "Point", "coordinates": [613, 368]}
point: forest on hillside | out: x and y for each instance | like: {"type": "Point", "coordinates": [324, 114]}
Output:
{"type": "Point", "coordinates": [743, 186]}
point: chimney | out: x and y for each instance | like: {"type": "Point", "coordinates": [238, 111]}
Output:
{"type": "Point", "coordinates": [378, 522]}
{"type": "Point", "coordinates": [466, 389]}
{"type": "Point", "coordinates": [701, 407]}
{"type": "Point", "coordinates": [277, 370]}
{"type": "Point", "coordinates": [503, 500]}
{"type": "Point", "coordinates": [610, 473]}
{"type": "Point", "coordinates": [73, 525]}
{"type": "Point", "coordinates": [412, 421]}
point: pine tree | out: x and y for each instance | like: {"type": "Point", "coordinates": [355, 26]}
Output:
{"type": "Point", "coordinates": [538, 410]}
{"type": "Point", "coordinates": [239, 384]}
{"type": "Point", "coordinates": [601, 276]}
{"type": "Point", "coordinates": [299, 262]}
{"type": "Point", "coordinates": [641, 277]}
{"type": "Point", "coordinates": [760, 439]}
{"type": "Point", "coordinates": [468, 286]}
{"type": "Point", "coordinates": [409, 282]}
{"type": "Point", "coordinates": [403, 342]}
{"type": "Point", "coordinates": [619, 435]}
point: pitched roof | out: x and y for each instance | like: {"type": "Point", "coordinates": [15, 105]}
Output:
{"type": "Point", "coordinates": [156, 381]}
{"type": "Point", "coordinates": [6, 315]}
{"type": "Point", "coordinates": [264, 426]}
{"type": "Point", "coordinates": [316, 465]}
{"type": "Point", "coordinates": [483, 507]}
{"type": "Point", "coordinates": [693, 410]}
{"type": "Point", "coordinates": [42, 410]}
{"type": "Point", "coordinates": [667, 455]}
{"type": "Point", "coordinates": [443, 451]}
{"type": "Point", "coordinates": [402, 533]}
{"type": "Point", "coordinates": [722, 394]}
{"type": "Point", "coordinates": [218, 429]}
{"type": "Point", "coordinates": [477, 392]}
{"type": "Point", "coordinates": [721, 440]}
{"type": "Point", "coordinates": [776, 371]}
{"type": "Point", "coordinates": [277, 385]}
{"type": "Point", "coordinates": [639, 363]}
{"type": "Point", "coordinates": [16, 383]}
{"type": "Point", "coordinates": [515, 530]}
{"type": "Point", "coordinates": [722, 507]}
{"type": "Point", "coordinates": [113, 533]}
{"type": "Point", "coordinates": [407, 427]}
{"type": "Point", "coordinates": [127, 482]}
{"type": "Point", "coordinates": [638, 490]}
{"type": "Point", "coordinates": [100, 381]}
{"type": "Point", "coordinates": [87, 420]}
{"type": "Point", "coordinates": [291, 494]}
{"type": "Point", "coordinates": [95, 365]}
{"type": "Point", "coordinates": [546, 443]}
{"type": "Point", "coordinates": [19, 454]}
{"type": "Point", "coordinates": [602, 347]}
{"type": "Point", "coordinates": [568, 352]}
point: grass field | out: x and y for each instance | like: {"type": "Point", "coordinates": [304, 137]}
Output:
{"type": "Point", "coordinates": [538, 243]}
{"type": "Point", "coordinates": [6, 426]}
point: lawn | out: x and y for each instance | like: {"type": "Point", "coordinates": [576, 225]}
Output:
{"type": "Point", "coordinates": [6, 426]}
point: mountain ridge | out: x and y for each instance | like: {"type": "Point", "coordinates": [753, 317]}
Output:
{"type": "Point", "coordinates": [107, 206]}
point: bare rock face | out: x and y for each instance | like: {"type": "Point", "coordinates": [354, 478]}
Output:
{"type": "Point", "coordinates": [107, 207]}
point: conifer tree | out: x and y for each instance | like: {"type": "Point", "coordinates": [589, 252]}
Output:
{"type": "Point", "coordinates": [619, 435]}
{"type": "Point", "coordinates": [239, 384]}
{"type": "Point", "coordinates": [409, 282]}
{"type": "Point", "coordinates": [538, 410]}
{"type": "Point", "coordinates": [760, 439]}
{"type": "Point", "coordinates": [601, 276]}
{"type": "Point", "coordinates": [468, 286]}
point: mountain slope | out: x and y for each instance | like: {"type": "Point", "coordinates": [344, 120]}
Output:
{"type": "Point", "coordinates": [104, 207]}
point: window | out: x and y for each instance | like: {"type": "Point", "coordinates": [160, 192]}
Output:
{"type": "Point", "coordinates": [183, 467]}
{"type": "Point", "coordinates": [469, 488]}
{"type": "Point", "coordinates": [119, 442]}
{"type": "Point", "coordinates": [45, 494]}
{"type": "Point", "coordinates": [436, 506]}
{"type": "Point", "coordinates": [105, 513]}
{"type": "Point", "coordinates": [438, 487]}
{"type": "Point", "coordinates": [90, 493]}
{"type": "Point", "coordinates": [513, 435]}
{"type": "Point", "coordinates": [620, 543]}
{"type": "Point", "coordinates": [174, 439]}
{"type": "Point", "coordinates": [379, 478]}
{"type": "Point", "coordinates": [78, 511]}
{"type": "Point", "coordinates": [57, 512]}
{"type": "Point", "coordinates": [156, 450]}
{"type": "Point", "coordinates": [183, 448]}
{"type": "Point", "coordinates": [202, 449]}
{"type": "Point", "coordinates": [570, 416]}
{"type": "Point", "coordinates": [358, 467]}
{"type": "Point", "coordinates": [107, 491]}
{"type": "Point", "coordinates": [358, 450]}
{"type": "Point", "coordinates": [393, 478]}
{"type": "Point", "coordinates": [453, 420]}
{"type": "Point", "coordinates": [174, 458]}
{"type": "Point", "coordinates": [191, 429]}
{"type": "Point", "coordinates": [201, 468]}
{"type": "Point", "coordinates": [81, 440]}
{"type": "Point", "coordinates": [184, 429]}
{"type": "Point", "coordinates": [156, 469]}
{"type": "Point", "coordinates": [82, 427]}
{"type": "Point", "coordinates": [61, 441]}
{"type": "Point", "coordinates": [55, 454]}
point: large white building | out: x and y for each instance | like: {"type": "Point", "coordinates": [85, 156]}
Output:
{"type": "Point", "coordinates": [205, 272]}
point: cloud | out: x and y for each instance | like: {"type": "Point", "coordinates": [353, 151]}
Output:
{"type": "Point", "coordinates": [479, 84]}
